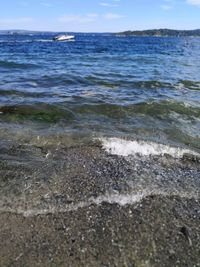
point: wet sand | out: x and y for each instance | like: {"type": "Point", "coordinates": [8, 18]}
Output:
{"type": "Point", "coordinates": [80, 206]}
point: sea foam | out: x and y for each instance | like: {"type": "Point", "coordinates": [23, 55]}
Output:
{"type": "Point", "coordinates": [121, 147]}
{"type": "Point", "coordinates": [112, 198]}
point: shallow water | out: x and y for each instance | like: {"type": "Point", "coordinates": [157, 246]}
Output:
{"type": "Point", "coordinates": [101, 119]}
{"type": "Point", "coordinates": [100, 85]}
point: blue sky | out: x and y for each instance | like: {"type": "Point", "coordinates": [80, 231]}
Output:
{"type": "Point", "coordinates": [99, 15]}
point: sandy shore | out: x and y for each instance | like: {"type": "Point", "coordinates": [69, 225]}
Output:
{"type": "Point", "coordinates": [80, 206]}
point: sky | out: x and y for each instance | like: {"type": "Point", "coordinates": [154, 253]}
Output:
{"type": "Point", "coordinates": [99, 15]}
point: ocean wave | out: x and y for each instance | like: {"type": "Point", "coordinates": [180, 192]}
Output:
{"type": "Point", "coordinates": [155, 109]}
{"type": "Point", "coordinates": [121, 147]}
{"type": "Point", "coordinates": [103, 79]}
{"type": "Point", "coordinates": [20, 93]}
{"type": "Point", "coordinates": [15, 65]}
{"type": "Point", "coordinates": [25, 41]}
{"type": "Point", "coordinates": [38, 112]}
{"type": "Point", "coordinates": [165, 107]}
{"type": "Point", "coordinates": [89, 105]}
{"type": "Point", "coordinates": [188, 84]}
{"type": "Point", "coordinates": [126, 81]}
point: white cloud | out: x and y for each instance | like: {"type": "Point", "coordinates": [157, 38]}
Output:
{"type": "Point", "coordinates": [110, 16]}
{"type": "Point", "coordinates": [194, 2]}
{"type": "Point", "coordinates": [166, 7]}
{"type": "Point", "coordinates": [78, 18]}
{"type": "Point", "coordinates": [46, 4]}
{"type": "Point", "coordinates": [108, 5]}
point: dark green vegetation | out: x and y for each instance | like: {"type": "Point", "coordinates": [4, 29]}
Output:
{"type": "Point", "coordinates": [162, 32]}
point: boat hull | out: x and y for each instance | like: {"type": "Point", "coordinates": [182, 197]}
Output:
{"type": "Point", "coordinates": [64, 38]}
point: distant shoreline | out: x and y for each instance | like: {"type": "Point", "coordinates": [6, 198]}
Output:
{"type": "Point", "coordinates": [162, 33]}
{"type": "Point", "coordinates": [142, 33]}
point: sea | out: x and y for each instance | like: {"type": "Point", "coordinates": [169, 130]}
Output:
{"type": "Point", "coordinates": [104, 94]}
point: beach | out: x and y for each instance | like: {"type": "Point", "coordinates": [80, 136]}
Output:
{"type": "Point", "coordinates": [84, 207]}
{"type": "Point", "coordinates": [99, 151]}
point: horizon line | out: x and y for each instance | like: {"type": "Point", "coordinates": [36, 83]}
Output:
{"type": "Point", "coordinates": [23, 30]}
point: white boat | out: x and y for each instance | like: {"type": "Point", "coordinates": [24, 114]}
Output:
{"type": "Point", "coordinates": [63, 37]}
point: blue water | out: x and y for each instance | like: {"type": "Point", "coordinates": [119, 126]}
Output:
{"type": "Point", "coordinates": [101, 85]}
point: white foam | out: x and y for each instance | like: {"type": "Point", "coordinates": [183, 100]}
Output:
{"type": "Point", "coordinates": [121, 147]}
{"type": "Point", "coordinates": [34, 84]}
{"type": "Point", "coordinates": [120, 199]}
